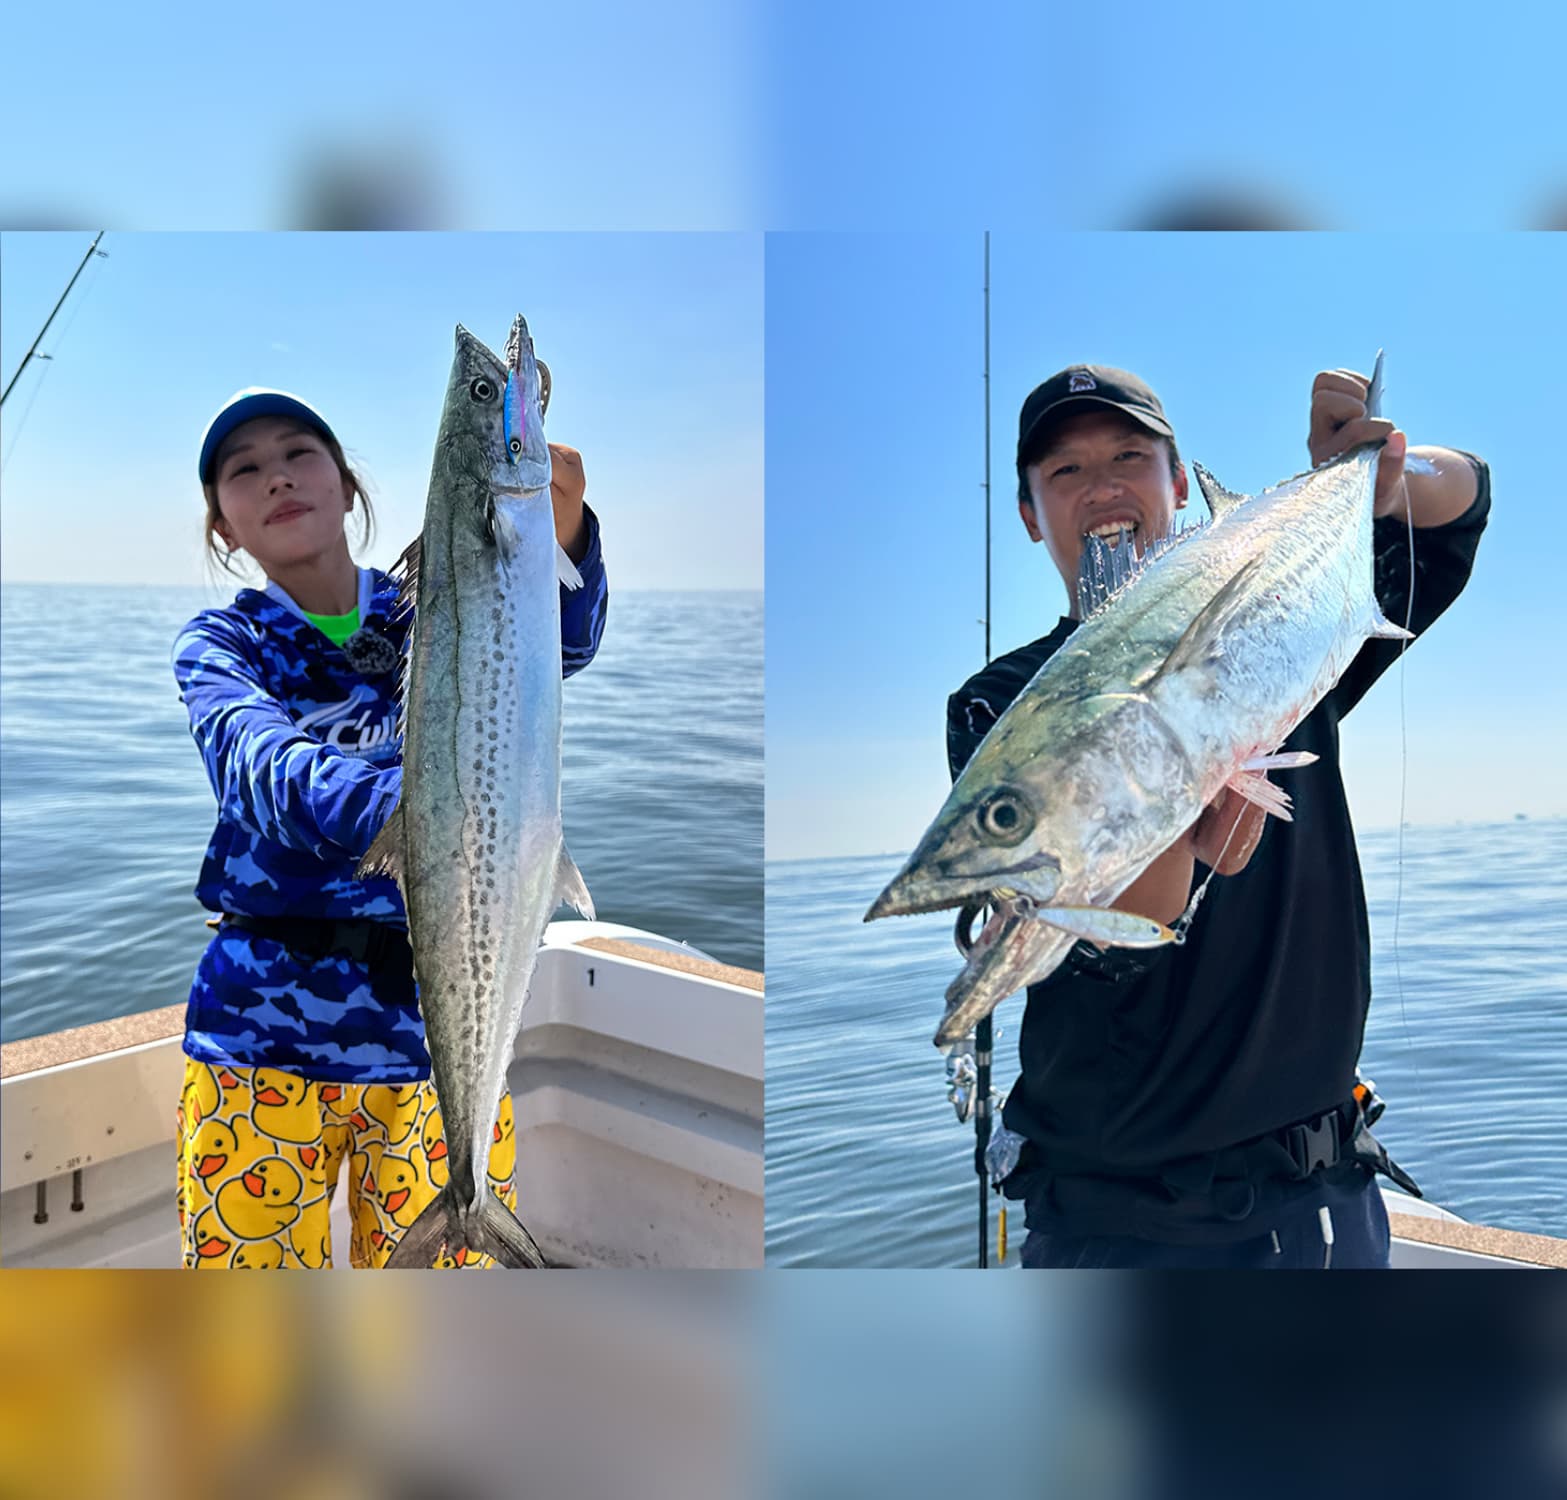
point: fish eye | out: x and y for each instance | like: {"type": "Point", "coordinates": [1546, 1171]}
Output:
{"type": "Point", "coordinates": [1004, 818]}
{"type": "Point", "coordinates": [515, 445]}
{"type": "Point", "coordinates": [482, 390]}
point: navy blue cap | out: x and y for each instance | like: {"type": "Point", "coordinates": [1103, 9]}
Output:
{"type": "Point", "coordinates": [245, 406]}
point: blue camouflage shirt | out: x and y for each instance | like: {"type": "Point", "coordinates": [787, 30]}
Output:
{"type": "Point", "coordinates": [303, 755]}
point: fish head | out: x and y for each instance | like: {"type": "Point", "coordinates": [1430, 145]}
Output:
{"type": "Point", "coordinates": [493, 425]}
{"type": "Point", "coordinates": [1043, 815]}
{"type": "Point", "coordinates": [993, 837]}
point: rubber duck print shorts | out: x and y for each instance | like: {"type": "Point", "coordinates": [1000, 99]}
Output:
{"type": "Point", "coordinates": [260, 1151]}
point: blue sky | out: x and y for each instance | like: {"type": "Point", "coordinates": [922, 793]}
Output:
{"type": "Point", "coordinates": [751, 114]}
{"type": "Point", "coordinates": [184, 115]}
{"type": "Point", "coordinates": [1028, 115]}
{"type": "Point", "coordinates": [875, 558]}
{"type": "Point", "coordinates": [654, 342]}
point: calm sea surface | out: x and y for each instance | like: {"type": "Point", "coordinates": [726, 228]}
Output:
{"type": "Point", "coordinates": [105, 809]}
{"type": "Point", "coordinates": [1467, 1042]}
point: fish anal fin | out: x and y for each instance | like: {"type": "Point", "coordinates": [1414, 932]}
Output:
{"type": "Point", "coordinates": [570, 888]}
{"type": "Point", "coordinates": [1259, 790]}
{"type": "Point", "coordinates": [1199, 641]}
{"type": "Point", "coordinates": [385, 854]}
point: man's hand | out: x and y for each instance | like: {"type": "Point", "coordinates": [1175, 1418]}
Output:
{"type": "Point", "coordinates": [1339, 423]}
{"type": "Point", "coordinates": [567, 486]}
{"type": "Point", "coordinates": [1208, 835]}
{"type": "Point", "coordinates": [1162, 890]}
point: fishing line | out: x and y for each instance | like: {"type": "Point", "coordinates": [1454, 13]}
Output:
{"type": "Point", "coordinates": [48, 359]}
{"type": "Point", "coordinates": [38, 385]}
{"type": "Point", "coordinates": [1403, 788]}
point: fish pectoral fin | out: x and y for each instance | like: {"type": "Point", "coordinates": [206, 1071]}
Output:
{"type": "Point", "coordinates": [385, 854]}
{"type": "Point", "coordinates": [1100, 924]}
{"type": "Point", "coordinates": [1262, 792]}
{"type": "Point", "coordinates": [1283, 760]}
{"type": "Point", "coordinates": [570, 888]}
{"type": "Point", "coordinates": [566, 569]}
{"type": "Point", "coordinates": [1199, 640]}
{"type": "Point", "coordinates": [1384, 629]}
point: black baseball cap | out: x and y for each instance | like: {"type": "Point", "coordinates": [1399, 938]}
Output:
{"type": "Point", "coordinates": [1077, 388]}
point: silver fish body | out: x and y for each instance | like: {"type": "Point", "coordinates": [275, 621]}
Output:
{"type": "Point", "coordinates": [1208, 657]}
{"type": "Point", "coordinates": [476, 840]}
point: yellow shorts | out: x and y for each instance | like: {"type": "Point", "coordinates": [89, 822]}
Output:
{"type": "Point", "coordinates": [259, 1154]}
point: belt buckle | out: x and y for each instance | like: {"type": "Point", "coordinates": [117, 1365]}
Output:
{"type": "Point", "coordinates": [1314, 1145]}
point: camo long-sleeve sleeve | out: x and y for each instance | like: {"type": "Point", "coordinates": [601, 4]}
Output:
{"type": "Point", "coordinates": [271, 779]}
{"type": "Point", "coordinates": [582, 611]}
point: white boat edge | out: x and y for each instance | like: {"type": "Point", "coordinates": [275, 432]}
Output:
{"type": "Point", "coordinates": [637, 1087]}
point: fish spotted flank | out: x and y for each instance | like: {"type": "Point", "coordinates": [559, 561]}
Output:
{"type": "Point", "coordinates": [476, 840]}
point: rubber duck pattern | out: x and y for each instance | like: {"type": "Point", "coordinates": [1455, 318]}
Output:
{"type": "Point", "coordinates": [261, 1150]}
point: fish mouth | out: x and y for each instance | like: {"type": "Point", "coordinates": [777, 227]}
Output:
{"type": "Point", "coordinates": [941, 887]}
{"type": "Point", "coordinates": [1010, 952]}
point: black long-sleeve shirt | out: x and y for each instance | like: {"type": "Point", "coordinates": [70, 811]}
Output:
{"type": "Point", "coordinates": [1148, 1065]}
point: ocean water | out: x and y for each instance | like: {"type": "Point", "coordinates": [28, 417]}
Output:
{"type": "Point", "coordinates": [105, 809]}
{"type": "Point", "coordinates": [1466, 1041]}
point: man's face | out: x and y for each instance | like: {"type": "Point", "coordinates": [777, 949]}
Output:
{"type": "Point", "coordinates": [1100, 470]}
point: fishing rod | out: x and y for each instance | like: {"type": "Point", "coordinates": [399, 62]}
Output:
{"type": "Point", "coordinates": [983, 1033]}
{"type": "Point", "coordinates": [92, 250]}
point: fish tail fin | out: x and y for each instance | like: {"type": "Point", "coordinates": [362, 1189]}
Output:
{"type": "Point", "coordinates": [1383, 629]}
{"type": "Point", "coordinates": [570, 887]}
{"type": "Point", "coordinates": [423, 1241]}
{"type": "Point", "coordinates": [501, 1235]}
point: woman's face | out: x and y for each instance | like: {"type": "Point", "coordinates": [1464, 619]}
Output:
{"type": "Point", "coordinates": [280, 495]}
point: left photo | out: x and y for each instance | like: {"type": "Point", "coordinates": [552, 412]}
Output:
{"type": "Point", "coordinates": [370, 898]}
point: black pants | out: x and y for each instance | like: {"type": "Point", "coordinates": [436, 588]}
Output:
{"type": "Point", "coordinates": [1294, 1240]}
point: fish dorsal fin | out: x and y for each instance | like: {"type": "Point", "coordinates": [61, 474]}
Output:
{"type": "Point", "coordinates": [405, 572]}
{"type": "Point", "coordinates": [1220, 500]}
{"type": "Point", "coordinates": [1199, 641]}
{"type": "Point", "coordinates": [1105, 572]}
{"type": "Point", "coordinates": [385, 855]}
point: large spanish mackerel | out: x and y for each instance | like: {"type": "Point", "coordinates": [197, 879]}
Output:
{"type": "Point", "coordinates": [1183, 680]}
{"type": "Point", "coordinates": [476, 839]}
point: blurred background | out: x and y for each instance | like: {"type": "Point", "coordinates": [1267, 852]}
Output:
{"type": "Point", "coordinates": [807, 114]}
{"type": "Point", "coordinates": [782, 1386]}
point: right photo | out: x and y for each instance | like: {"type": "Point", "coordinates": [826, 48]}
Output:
{"type": "Point", "coordinates": [1164, 867]}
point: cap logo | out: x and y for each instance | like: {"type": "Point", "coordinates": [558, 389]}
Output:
{"type": "Point", "coordinates": [1082, 381]}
